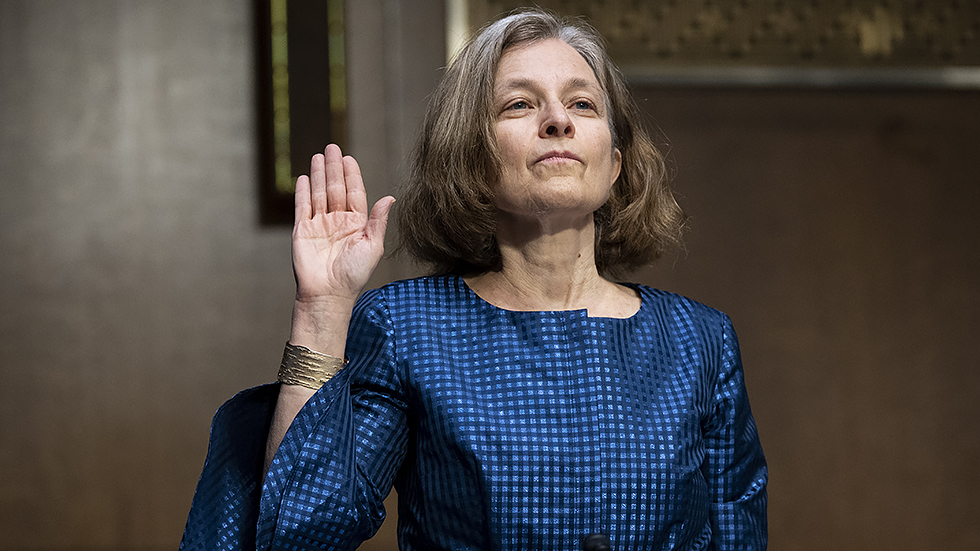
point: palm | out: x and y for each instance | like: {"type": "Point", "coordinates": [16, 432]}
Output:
{"type": "Point", "coordinates": [336, 242]}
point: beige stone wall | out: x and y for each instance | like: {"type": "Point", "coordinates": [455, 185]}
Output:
{"type": "Point", "coordinates": [136, 285]}
{"type": "Point", "coordinates": [137, 291]}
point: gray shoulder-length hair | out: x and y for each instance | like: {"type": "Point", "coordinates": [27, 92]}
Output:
{"type": "Point", "coordinates": [446, 215]}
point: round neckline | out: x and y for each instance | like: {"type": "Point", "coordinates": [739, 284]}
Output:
{"type": "Point", "coordinates": [582, 312]}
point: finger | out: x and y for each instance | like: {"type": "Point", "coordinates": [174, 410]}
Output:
{"type": "Point", "coordinates": [378, 221]}
{"type": "Point", "coordinates": [336, 185]}
{"type": "Point", "coordinates": [301, 200]}
{"type": "Point", "coordinates": [356, 195]}
{"type": "Point", "coordinates": [318, 185]}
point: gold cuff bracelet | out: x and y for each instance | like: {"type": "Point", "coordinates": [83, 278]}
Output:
{"type": "Point", "coordinates": [304, 367]}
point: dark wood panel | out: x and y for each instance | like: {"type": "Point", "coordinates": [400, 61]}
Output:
{"type": "Point", "coordinates": [840, 231]}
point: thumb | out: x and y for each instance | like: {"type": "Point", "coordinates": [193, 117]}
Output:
{"type": "Point", "coordinates": [377, 222]}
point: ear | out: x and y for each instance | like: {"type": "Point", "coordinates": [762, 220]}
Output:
{"type": "Point", "coordinates": [617, 165]}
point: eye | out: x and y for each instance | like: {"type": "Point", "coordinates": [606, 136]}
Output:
{"type": "Point", "coordinates": [518, 105]}
{"type": "Point", "coordinates": [583, 104]}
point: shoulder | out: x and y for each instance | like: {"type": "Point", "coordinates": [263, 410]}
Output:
{"type": "Point", "coordinates": [702, 335]}
{"type": "Point", "coordinates": [681, 312]}
{"type": "Point", "coordinates": [416, 294]}
{"type": "Point", "coordinates": [425, 286]}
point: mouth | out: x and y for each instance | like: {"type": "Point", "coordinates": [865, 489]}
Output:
{"type": "Point", "coordinates": [558, 156]}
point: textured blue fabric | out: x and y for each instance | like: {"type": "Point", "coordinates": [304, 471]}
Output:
{"type": "Point", "coordinates": [501, 430]}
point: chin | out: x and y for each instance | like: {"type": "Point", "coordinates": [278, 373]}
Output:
{"type": "Point", "coordinates": [545, 201]}
{"type": "Point", "coordinates": [574, 212]}
{"type": "Point", "coordinates": [572, 204]}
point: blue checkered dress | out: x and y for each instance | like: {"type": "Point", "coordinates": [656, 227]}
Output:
{"type": "Point", "coordinates": [500, 430]}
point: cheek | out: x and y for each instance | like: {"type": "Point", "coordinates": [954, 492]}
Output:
{"type": "Point", "coordinates": [513, 137]}
{"type": "Point", "coordinates": [511, 145]}
{"type": "Point", "coordinates": [509, 148]}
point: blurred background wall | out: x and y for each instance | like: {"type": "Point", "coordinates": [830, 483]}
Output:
{"type": "Point", "coordinates": [839, 229]}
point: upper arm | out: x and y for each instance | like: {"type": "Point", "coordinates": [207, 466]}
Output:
{"type": "Point", "coordinates": [734, 466]}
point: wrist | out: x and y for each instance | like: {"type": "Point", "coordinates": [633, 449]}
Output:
{"type": "Point", "coordinates": [321, 325]}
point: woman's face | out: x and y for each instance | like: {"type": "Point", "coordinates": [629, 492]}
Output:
{"type": "Point", "coordinates": [552, 134]}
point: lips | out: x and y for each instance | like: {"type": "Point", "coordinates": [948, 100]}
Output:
{"type": "Point", "coordinates": [558, 155]}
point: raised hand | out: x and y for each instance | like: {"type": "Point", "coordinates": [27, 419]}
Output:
{"type": "Point", "coordinates": [337, 244]}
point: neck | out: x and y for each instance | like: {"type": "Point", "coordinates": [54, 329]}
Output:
{"type": "Point", "coordinates": [552, 268]}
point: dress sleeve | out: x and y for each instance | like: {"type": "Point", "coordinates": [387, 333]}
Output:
{"type": "Point", "coordinates": [327, 483]}
{"type": "Point", "coordinates": [225, 507]}
{"type": "Point", "coordinates": [734, 465]}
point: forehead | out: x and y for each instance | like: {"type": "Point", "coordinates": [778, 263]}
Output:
{"type": "Point", "coordinates": [543, 63]}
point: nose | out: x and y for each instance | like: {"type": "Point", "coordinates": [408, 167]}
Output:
{"type": "Point", "coordinates": [555, 122]}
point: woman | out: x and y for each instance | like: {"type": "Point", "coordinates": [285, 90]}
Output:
{"type": "Point", "coordinates": [519, 400]}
